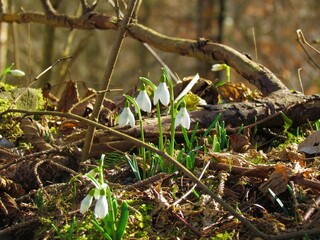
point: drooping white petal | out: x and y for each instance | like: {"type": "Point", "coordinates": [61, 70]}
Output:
{"type": "Point", "coordinates": [131, 118]}
{"type": "Point", "coordinates": [183, 118]}
{"type": "Point", "coordinates": [126, 117]}
{"type": "Point", "coordinates": [101, 208]}
{"type": "Point", "coordinates": [143, 101]}
{"type": "Point", "coordinates": [123, 118]}
{"type": "Point", "coordinates": [162, 94]}
{"type": "Point", "coordinates": [86, 203]}
{"type": "Point", "coordinates": [17, 73]}
{"type": "Point", "coordinates": [217, 67]}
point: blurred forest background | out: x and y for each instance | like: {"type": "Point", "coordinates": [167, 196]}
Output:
{"type": "Point", "coordinates": [266, 30]}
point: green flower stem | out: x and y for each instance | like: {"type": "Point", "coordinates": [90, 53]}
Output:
{"type": "Point", "coordinates": [112, 214]}
{"type": "Point", "coordinates": [172, 112]}
{"type": "Point", "coordinates": [160, 127]}
{"type": "Point", "coordinates": [148, 82]}
{"type": "Point", "coordinates": [6, 71]}
{"type": "Point", "coordinates": [143, 150]}
{"type": "Point", "coordinates": [228, 73]}
{"type": "Point", "coordinates": [101, 180]}
{"type": "Point", "coordinates": [94, 181]}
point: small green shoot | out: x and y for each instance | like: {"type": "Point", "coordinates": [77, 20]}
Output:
{"type": "Point", "coordinates": [134, 165]}
{"type": "Point", "coordinates": [278, 200]}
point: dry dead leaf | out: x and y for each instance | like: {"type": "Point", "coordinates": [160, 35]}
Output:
{"type": "Point", "coordinates": [35, 133]}
{"type": "Point", "coordinates": [8, 205]}
{"type": "Point", "coordinates": [239, 143]}
{"type": "Point", "coordinates": [12, 188]}
{"type": "Point", "coordinates": [311, 145]}
{"type": "Point", "coordinates": [237, 92]}
{"type": "Point", "coordinates": [234, 159]}
{"type": "Point", "coordinates": [70, 96]}
{"type": "Point", "coordinates": [290, 154]}
{"type": "Point", "coordinates": [278, 180]}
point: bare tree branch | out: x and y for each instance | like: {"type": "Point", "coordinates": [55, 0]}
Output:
{"type": "Point", "coordinates": [256, 74]}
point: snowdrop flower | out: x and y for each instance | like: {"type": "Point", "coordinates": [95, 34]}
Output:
{"type": "Point", "coordinates": [143, 99]}
{"type": "Point", "coordinates": [217, 67]}
{"type": "Point", "coordinates": [183, 117]}
{"type": "Point", "coordinates": [17, 73]}
{"type": "Point", "coordinates": [162, 93]}
{"type": "Point", "coordinates": [126, 116]}
{"type": "Point", "coordinates": [86, 203]}
{"type": "Point", "coordinates": [101, 208]}
{"type": "Point", "coordinates": [98, 189]}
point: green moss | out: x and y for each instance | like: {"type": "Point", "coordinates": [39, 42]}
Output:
{"type": "Point", "coordinates": [12, 97]}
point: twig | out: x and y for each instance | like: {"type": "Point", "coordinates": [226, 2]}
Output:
{"type": "Point", "coordinates": [161, 200]}
{"type": "Point", "coordinates": [48, 8]}
{"type": "Point", "coordinates": [182, 220]}
{"type": "Point", "coordinates": [46, 188]}
{"type": "Point", "coordinates": [28, 156]}
{"type": "Point", "coordinates": [146, 182]}
{"type": "Point", "coordinates": [92, 96]}
{"type": "Point", "coordinates": [193, 187]}
{"type": "Point", "coordinates": [107, 79]}
{"type": "Point", "coordinates": [37, 77]}
{"type": "Point", "coordinates": [36, 174]}
{"type": "Point", "coordinates": [312, 209]}
{"type": "Point", "coordinates": [302, 40]}
{"type": "Point", "coordinates": [300, 81]}
{"type": "Point", "coordinates": [86, 8]}
{"type": "Point", "coordinates": [15, 228]}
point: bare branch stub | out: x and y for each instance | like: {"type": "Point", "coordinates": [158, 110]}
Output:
{"type": "Point", "coordinates": [48, 8]}
{"type": "Point", "coordinates": [86, 8]}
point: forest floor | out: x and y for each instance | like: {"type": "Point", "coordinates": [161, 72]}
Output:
{"type": "Point", "coordinates": [269, 175]}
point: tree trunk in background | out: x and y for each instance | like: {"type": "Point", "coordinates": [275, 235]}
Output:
{"type": "Point", "coordinates": [3, 39]}
{"type": "Point", "coordinates": [222, 14]}
{"type": "Point", "coordinates": [143, 54]}
{"type": "Point", "coordinates": [207, 29]}
{"type": "Point", "coordinates": [15, 39]}
{"type": "Point", "coordinates": [47, 50]}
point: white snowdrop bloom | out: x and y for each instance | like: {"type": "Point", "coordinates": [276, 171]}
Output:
{"type": "Point", "coordinates": [126, 117]}
{"type": "Point", "coordinates": [143, 100]}
{"type": "Point", "coordinates": [162, 94]}
{"type": "Point", "coordinates": [101, 208]}
{"type": "Point", "coordinates": [86, 203]}
{"type": "Point", "coordinates": [17, 73]}
{"type": "Point", "coordinates": [217, 67]}
{"type": "Point", "coordinates": [183, 118]}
